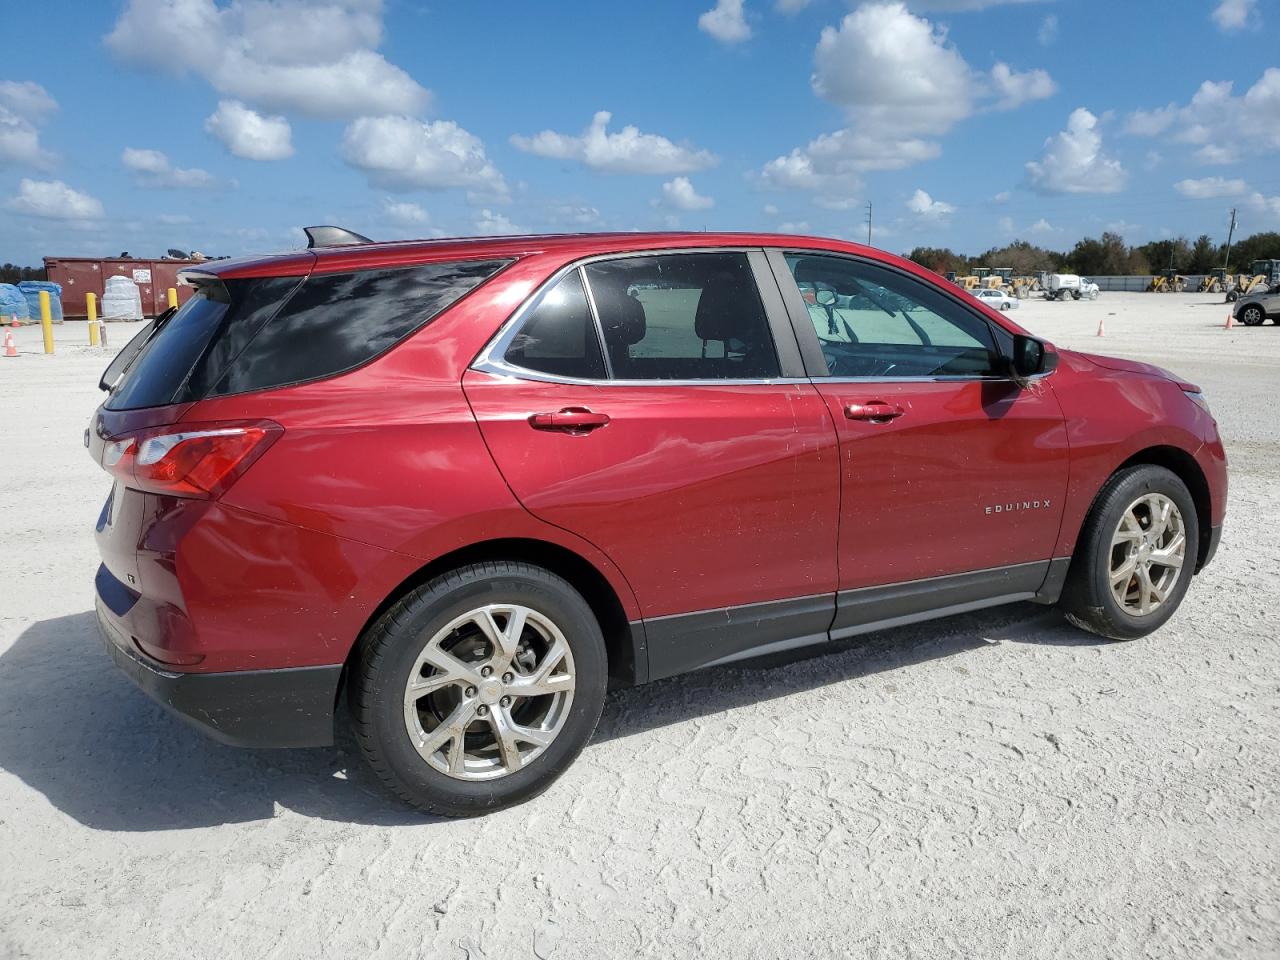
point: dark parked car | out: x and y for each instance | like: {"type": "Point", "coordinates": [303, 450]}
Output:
{"type": "Point", "coordinates": [466, 485]}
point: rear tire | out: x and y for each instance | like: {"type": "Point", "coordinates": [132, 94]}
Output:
{"type": "Point", "coordinates": [459, 660]}
{"type": "Point", "coordinates": [1118, 538]}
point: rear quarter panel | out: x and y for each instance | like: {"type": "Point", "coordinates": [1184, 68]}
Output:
{"type": "Point", "coordinates": [390, 455]}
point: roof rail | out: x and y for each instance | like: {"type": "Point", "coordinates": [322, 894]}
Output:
{"type": "Point", "coordinates": [327, 236]}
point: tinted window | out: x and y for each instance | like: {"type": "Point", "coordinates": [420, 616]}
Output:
{"type": "Point", "coordinates": [337, 321]}
{"type": "Point", "coordinates": [184, 356]}
{"type": "Point", "coordinates": [693, 316]}
{"type": "Point", "coordinates": [559, 336]}
{"type": "Point", "coordinates": [874, 322]}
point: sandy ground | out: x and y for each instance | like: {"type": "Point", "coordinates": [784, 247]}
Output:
{"type": "Point", "coordinates": [996, 785]}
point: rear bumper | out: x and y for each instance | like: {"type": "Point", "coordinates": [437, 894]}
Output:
{"type": "Point", "coordinates": [288, 707]}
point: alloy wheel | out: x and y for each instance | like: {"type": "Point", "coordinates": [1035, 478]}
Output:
{"type": "Point", "coordinates": [489, 692]}
{"type": "Point", "coordinates": [1148, 550]}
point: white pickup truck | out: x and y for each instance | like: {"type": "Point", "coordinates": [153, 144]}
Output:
{"type": "Point", "coordinates": [1059, 286]}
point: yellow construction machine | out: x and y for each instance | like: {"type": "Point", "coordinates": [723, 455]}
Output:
{"type": "Point", "coordinates": [1170, 281]}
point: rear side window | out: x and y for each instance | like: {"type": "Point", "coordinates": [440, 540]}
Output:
{"type": "Point", "coordinates": [558, 336]}
{"type": "Point", "coordinates": [687, 316]}
{"type": "Point", "coordinates": [337, 321]}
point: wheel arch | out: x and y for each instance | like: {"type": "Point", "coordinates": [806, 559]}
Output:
{"type": "Point", "coordinates": [1184, 466]}
{"type": "Point", "coordinates": [624, 640]}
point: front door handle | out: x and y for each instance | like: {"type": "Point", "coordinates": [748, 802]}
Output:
{"type": "Point", "coordinates": [569, 420]}
{"type": "Point", "coordinates": [874, 411]}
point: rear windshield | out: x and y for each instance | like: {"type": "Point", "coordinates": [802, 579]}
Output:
{"type": "Point", "coordinates": [243, 335]}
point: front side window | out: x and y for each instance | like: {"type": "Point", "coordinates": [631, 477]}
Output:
{"type": "Point", "coordinates": [874, 322]}
{"type": "Point", "coordinates": [687, 316]}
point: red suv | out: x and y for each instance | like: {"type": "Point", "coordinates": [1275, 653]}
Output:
{"type": "Point", "coordinates": [470, 484]}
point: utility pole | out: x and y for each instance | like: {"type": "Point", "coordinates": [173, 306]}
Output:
{"type": "Point", "coordinates": [868, 223]}
{"type": "Point", "coordinates": [1230, 233]}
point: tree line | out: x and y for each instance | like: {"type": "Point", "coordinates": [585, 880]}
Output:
{"type": "Point", "coordinates": [1108, 255]}
{"type": "Point", "coordinates": [12, 273]}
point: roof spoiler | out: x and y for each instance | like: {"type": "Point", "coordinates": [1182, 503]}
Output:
{"type": "Point", "coordinates": [327, 236]}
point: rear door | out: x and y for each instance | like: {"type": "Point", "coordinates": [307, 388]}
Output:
{"type": "Point", "coordinates": [655, 405]}
{"type": "Point", "coordinates": [953, 475]}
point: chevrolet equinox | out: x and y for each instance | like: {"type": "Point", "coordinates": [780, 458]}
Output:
{"type": "Point", "coordinates": [465, 486]}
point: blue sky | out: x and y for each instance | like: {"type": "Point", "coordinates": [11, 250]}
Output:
{"type": "Point", "coordinates": [224, 125]}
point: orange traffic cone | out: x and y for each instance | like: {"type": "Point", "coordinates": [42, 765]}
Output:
{"type": "Point", "coordinates": [1102, 332]}
{"type": "Point", "coordinates": [1229, 319]}
{"type": "Point", "coordinates": [13, 320]}
{"type": "Point", "coordinates": [10, 348]}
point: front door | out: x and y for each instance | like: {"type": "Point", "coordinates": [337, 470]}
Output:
{"type": "Point", "coordinates": [953, 475]}
{"type": "Point", "coordinates": [642, 403]}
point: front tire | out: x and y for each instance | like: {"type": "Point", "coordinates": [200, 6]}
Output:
{"type": "Point", "coordinates": [1252, 315]}
{"type": "Point", "coordinates": [479, 688]}
{"type": "Point", "coordinates": [1136, 555]}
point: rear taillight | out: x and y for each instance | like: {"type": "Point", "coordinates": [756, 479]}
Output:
{"type": "Point", "coordinates": [199, 460]}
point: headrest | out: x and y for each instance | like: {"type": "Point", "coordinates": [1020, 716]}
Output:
{"type": "Point", "coordinates": [724, 313]}
{"type": "Point", "coordinates": [621, 314]}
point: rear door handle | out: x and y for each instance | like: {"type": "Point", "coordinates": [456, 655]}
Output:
{"type": "Point", "coordinates": [874, 411]}
{"type": "Point", "coordinates": [570, 420]}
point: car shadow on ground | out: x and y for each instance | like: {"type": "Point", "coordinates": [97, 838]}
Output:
{"type": "Point", "coordinates": [75, 729]}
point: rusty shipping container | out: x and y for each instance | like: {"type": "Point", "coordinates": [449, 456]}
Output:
{"type": "Point", "coordinates": [81, 275]}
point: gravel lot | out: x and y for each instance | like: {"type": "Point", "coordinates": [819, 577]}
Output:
{"type": "Point", "coordinates": [995, 785]}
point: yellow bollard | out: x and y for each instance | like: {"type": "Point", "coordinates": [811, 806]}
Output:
{"type": "Point", "coordinates": [46, 321]}
{"type": "Point", "coordinates": [173, 297]}
{"type": "Point", "coordinates": [91, 307]}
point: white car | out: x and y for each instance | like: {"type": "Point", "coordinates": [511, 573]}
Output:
{"type": "Point", "coordinates": [998, 299]}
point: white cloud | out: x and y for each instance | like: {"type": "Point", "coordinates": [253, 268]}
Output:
{"type": "Point", "coordinates": [404, 213]}
{"type": "Point", "coordinates": [725, 22]}
{"type": "Point", "coordinates": [173, 219]}
{"type": "Point", "coordinates": [1269, 206]}
{"type": "Point", "coordinates": [312, 57]}
{"type": "Point", "coordinates": [1235, 14]}
{"type": "Point", "coordinates": [491, 224]}
{"type": "Point", "coordinates": [151, 168]}
{"type": "Point", "coordinates": [902, 85]}
{"type": "Point", "coordinates": [401, 153]}
{"type": "Point", "coordinates": [1005, 225]}
{"type": "Point", "coordinates": [1016, 88]}
{"type": "Point", "coordinates": [962, 6]}
{"type": "Point", "coordinates": [1048, 31]}
{"type": "Point", "coordinates": [790, 6]}
{"type": "Point", "coordinates": [794, 226]}
{"type": "Point", "coordinates": [1073, 161]}
{"type": "Point", "coordinates": [1214, 118]}
{"type": "Point", "coordinates": [23, 105]}
{"type": "Point", "coordinates": [770, 210]}
{"type": "Point", "coordinates": [927, 208]}
{"type": "Point", "coordinates": [577, 214]}
{"type": "Point", "coordinates": [680, 193]}
{"type": "Point", "coordinates": [1211, 187]}
{"type": "Point", "coordinates": [53, 200]}
{"type": "Point", "coordinates": [627, 151]}
{"type": "Point", "coordinates": [1042, 226]}
{"type": "Point", "coordinates": [1002, 197]}
{"type": "Point", "coordinates": [248, 134]}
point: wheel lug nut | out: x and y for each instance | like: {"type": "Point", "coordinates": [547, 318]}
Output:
{"type": "Point", "coordinates": [482, 710]}
{"type": "Point", "coordinates": [471, 691]}
{"type": "Point", "coordinates": [505, 701]}
{"type": "Point", "coordinates": [486, 671]}
{"type": "Point", "coordinates": [508, 677]}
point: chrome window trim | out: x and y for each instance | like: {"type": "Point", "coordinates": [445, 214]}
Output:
{"type": "Point", "coordinates": [492, 360]}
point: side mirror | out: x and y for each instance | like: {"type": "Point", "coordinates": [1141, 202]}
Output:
{"type": "Point", "coordinates": [1031, 357]}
